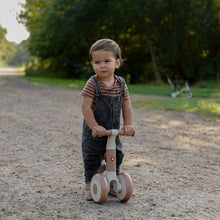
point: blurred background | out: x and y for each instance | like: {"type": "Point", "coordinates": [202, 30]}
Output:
{"type": "Point", "coordinates": [158, 38]}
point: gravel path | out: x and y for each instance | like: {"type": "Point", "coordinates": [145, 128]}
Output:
{"type": "Point", "coordinates": [41, 169]}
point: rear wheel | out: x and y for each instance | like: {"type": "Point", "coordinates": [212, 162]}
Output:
{"type": "Point", "coordinates": [99, 188]}
{"type": "Point", "coordinates": [127, 187]}
{"type": "Point", "coordinates": [189, 94]}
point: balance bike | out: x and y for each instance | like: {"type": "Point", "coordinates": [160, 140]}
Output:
{"type": "Point", "coordinates": [122, 184]}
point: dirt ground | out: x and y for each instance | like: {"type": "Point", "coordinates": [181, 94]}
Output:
{"type": "Point", "coordinates": [41, 169]}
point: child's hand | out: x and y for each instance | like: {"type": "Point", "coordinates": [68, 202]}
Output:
{"type": "Point", "coordinates": [98, 131]}
{"type": "Point", "coordinates": [129, 130]}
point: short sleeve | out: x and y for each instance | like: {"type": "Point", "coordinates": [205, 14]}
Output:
{"type": "Point", "coordinates": [126, 96]}
{"type": "Point", "coordinates": [89, 90]}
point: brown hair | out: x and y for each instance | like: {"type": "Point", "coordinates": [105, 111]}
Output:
{"type": "Point", "coordinates": [106, 45]}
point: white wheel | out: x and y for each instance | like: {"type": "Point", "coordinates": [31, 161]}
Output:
{"type": "Point", "coordinates": [173, 94]}
{"type": "Point", "coordinates": [189, 94]}
{"type": "Point", "coordinates": [99, 188]}
{"type": "Point", "coordinates": [127, 187]}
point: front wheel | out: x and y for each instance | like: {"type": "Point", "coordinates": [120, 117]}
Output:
{"type": "Point", "coordinates": [173, 94]}
{"type": "Point", "coordinates": [127, 187]}
{"type": "Point", "coordinates": [99, 188]}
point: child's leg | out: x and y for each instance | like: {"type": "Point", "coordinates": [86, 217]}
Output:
{"type": "Point", "coordinates": [119, 154]}
{"type": "Point", "coordinates": [91, 165]}
{"type": "Point", "coordinates": [102, 167]}
{"type": "Point", "coordinates": [119, 159]}
{"type": "Point", "coordinates": [92, 162]}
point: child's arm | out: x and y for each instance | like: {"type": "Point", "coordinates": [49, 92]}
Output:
{"type": "Point", "coordinates": [127, 117]}
{"type": "Point", "coordinates": [89, 116]}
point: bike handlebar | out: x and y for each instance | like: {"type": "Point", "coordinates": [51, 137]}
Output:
{"type": "Point", "coordinates": [110, 132]}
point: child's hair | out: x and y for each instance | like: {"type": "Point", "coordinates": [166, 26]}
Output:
{"type": "Point", "coordinates": [106, 45]}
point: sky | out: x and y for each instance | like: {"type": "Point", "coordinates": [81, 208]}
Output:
{"type": "Point", "coordinates": [8, 13]}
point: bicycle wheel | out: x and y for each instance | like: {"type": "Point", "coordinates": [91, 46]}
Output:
{"type": "Point", "coordinates": [99, 188]}
{"type": "Point", "coordinates": [127, 187]}
{"type": "Point", "coordinates": [173, 94]}
{"type": "Point", "coordinates": [189, 94]}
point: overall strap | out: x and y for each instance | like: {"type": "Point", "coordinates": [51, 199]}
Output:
{"type": "Point", "coordinates": [122, 84]}
{"type": "Point", "coordinates": [98, 89]}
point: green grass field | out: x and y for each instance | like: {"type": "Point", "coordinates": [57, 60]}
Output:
{"type": "Point", "coordinates": [210, 90]}
{"type": "Point", "coordinates": [57, 82]}
{"type": "Point", "coordinates": [206, 107]}
{"type": "Point", "coordinates": [205, 100]}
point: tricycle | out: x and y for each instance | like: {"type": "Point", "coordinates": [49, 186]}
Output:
{"type": "Point", "coordinates": [121, 185]}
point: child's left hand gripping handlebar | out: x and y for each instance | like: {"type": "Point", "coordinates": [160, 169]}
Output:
{"type": "Point", "coordinates": [111, 132]}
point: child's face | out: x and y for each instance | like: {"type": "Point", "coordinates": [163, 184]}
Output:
{"type": "Point", "coordinates": [104, 64]}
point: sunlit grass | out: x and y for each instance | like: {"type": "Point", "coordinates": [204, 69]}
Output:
{"type": "Point", "coordinates": [74, 84]}
{"type": "Point", "coordinates": [202, 90]}
{"type": "Point", "coordinates": [206, 92]}
{"type": "Point", "coordinates": [205, 107]}
{"type": "Point", "coordinates": [210, 91]}
{"type": "Point", "coordinates": [205, 101]}
{"type": "Point", "coordinates": [150, 89]}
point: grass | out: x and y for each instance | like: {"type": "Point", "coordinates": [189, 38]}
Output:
{"type": "Point", "coordinates": [200, 90]}
{"type": "Point", "coordinates": [73, 84]}
{"type": "Point", "coordinates": [209, 109]}
{"type": "Point", "coordinates": [205, 101]}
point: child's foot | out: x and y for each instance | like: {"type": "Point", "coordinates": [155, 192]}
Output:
{"type": "Point", "coordinates": [102, 167]}
{"type": "Point", "coordinates": [111, 191]}
{"type": "Point", "coordinates": [88, 192]}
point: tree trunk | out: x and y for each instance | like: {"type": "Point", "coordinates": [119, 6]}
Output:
{"type": "Point", "coordinates": [154, 62]}
{"type": "Point", "coordinates": [149, 43]}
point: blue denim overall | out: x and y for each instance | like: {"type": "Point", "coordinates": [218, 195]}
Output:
{"type": "Point", "coordinates": [107, 114]}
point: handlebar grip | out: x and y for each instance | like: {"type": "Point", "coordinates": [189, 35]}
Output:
{"type": "Point", "coordinates": [107, 132]}
{"type": "Point", "coordinates": [121, 132]}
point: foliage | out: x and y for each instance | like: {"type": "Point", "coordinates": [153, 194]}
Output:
{"type": "Point", "coordinates": [12, 54]}
{"type": "Point", "coordinates": [157, 37]}
{"type": "Point", "coordinates": [7, 49]}
{"type": "Point", "coordinates": [21, 56]}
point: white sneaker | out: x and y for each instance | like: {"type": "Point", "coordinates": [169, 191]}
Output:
{"type": "Point", "coordinates": [88, 192]}
{"type": "Point", "coordinates": [102, 167]}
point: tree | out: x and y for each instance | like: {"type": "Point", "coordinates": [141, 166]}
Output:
{"type": "Point", "coordinates": [157, 37]}
{"type": "Point", "coordinates": [7, 49]}
{"type": "Point", "coordinates": [21, 56]}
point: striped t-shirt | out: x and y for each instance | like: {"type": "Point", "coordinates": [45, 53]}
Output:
{"type": "Point", "coordinates": [90, 90]}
